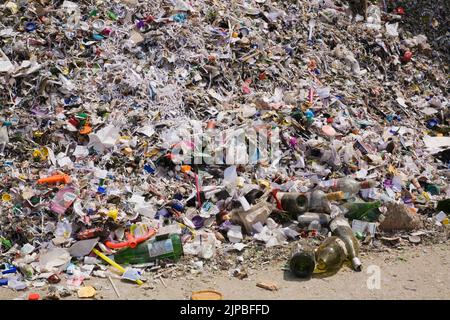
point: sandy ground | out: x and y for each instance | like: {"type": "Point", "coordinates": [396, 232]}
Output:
{"type": "Point", "coordinates": [412, 273]}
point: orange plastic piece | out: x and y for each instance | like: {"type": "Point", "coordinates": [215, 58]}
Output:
{"type": "Point", "coordinates": [86, 130]}
{"type": "Point", "coordinates": [186, 168]}
{"type": "Point", "coordinates": [132, 241]}
{"type": "Point", "coordinates": [33, 296]}
{"type": "Point", "coordinates": [64, 178]}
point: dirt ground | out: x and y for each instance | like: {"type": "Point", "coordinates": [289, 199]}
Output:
{"type": "Point", "coordinates": [421, 272]}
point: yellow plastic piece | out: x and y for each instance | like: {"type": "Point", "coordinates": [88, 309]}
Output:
{"type": "Point", "coordinates": [113, 214]}
{"type": "Point", "coordinates": [114, 264]}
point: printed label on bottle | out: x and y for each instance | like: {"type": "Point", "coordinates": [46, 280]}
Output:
{"type": "Point", "coordinates": [160, 247]}
{"type": "Point", "coordinates": [337, 223]}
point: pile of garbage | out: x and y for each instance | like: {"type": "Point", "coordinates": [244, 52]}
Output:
{"type": "Point", "coordinates": [137, 133]}
{"type": "Point", "coordinates": [428, 18]}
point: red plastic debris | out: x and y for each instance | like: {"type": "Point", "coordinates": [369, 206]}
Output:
{"type": "Point", "coordinates": [34, 296]}
{"type": "Point", "coordinates": [407, 56]}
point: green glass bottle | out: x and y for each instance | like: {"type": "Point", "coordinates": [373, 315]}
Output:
{"type": "Point", "coordinates": [302, 262]}
{"type": "Point", "coordinates": [161, 247]}
{"type": "Point", "coordinates": [317, 201]}
{"type": "Point", "coordinates": [363, 210]}
{"type": "Point", "coordinates": [293, 202]}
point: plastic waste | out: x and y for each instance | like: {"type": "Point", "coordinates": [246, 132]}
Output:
{"type": "Point", "coordinates": [306, 218]}
{"type": "Point", "coordinates": [182, 116]}
{"type": "Point", "coordinates": [349, 186]}
{"type": "Point", "coordinates": [203, 246]}
{"type": "Point", "coordinates": [258, 212]}
{"type": "Point", "coordinates": [234, 234]}
{"type": "Point", "coordinates": [59, 178]}
{"type": "Point", "coordinates": [63, 200]}
{"type": "Point", "coordinates": [83, 248]}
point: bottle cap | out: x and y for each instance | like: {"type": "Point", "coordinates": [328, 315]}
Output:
{"type": "Point", "coordinates": [356, 263]}
{"type": "Point", "coordinates": [30, 26]}
{"type": "Point", "coordinates": [177, 205]}
{"type": "Point", "coordinates": [98, 24]}
{"type": "Point", "coordinates": [6, 197]}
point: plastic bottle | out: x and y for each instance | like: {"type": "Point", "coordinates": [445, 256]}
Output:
{"type": "Point", "coordinates": [340, 228]}
{"type": "Point", "coordinates": [319, 201]}
{"type": "Point", "coordinates": [349, 186]}
{"type": "Point", "coordinates": [162, 247]}
{"type": "Point", "coordinates": [302, 261]}
{"type": "Point", "coordinates": [330, 255]}
{"type": "Point", "coordinates": [306, 218]}
{"type": "Point", "coordinates": [363, 210]}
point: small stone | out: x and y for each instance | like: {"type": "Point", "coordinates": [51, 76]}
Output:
{"type": "Point", "coordinates": [414, 239]}
{"type": "Point", "coordinates": [268, 285]}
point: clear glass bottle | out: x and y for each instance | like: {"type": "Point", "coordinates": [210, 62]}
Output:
{"type": "Point", "coordinates": [330, 255]}
{"type": "Point", "coordinates": [340, 228]}
{"type": "Point", "coordinates": [297, 203]}
{"type": "Point", "coordinates": [293, 202]}
{"type": "Point", "coordinates": [319, 201]}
